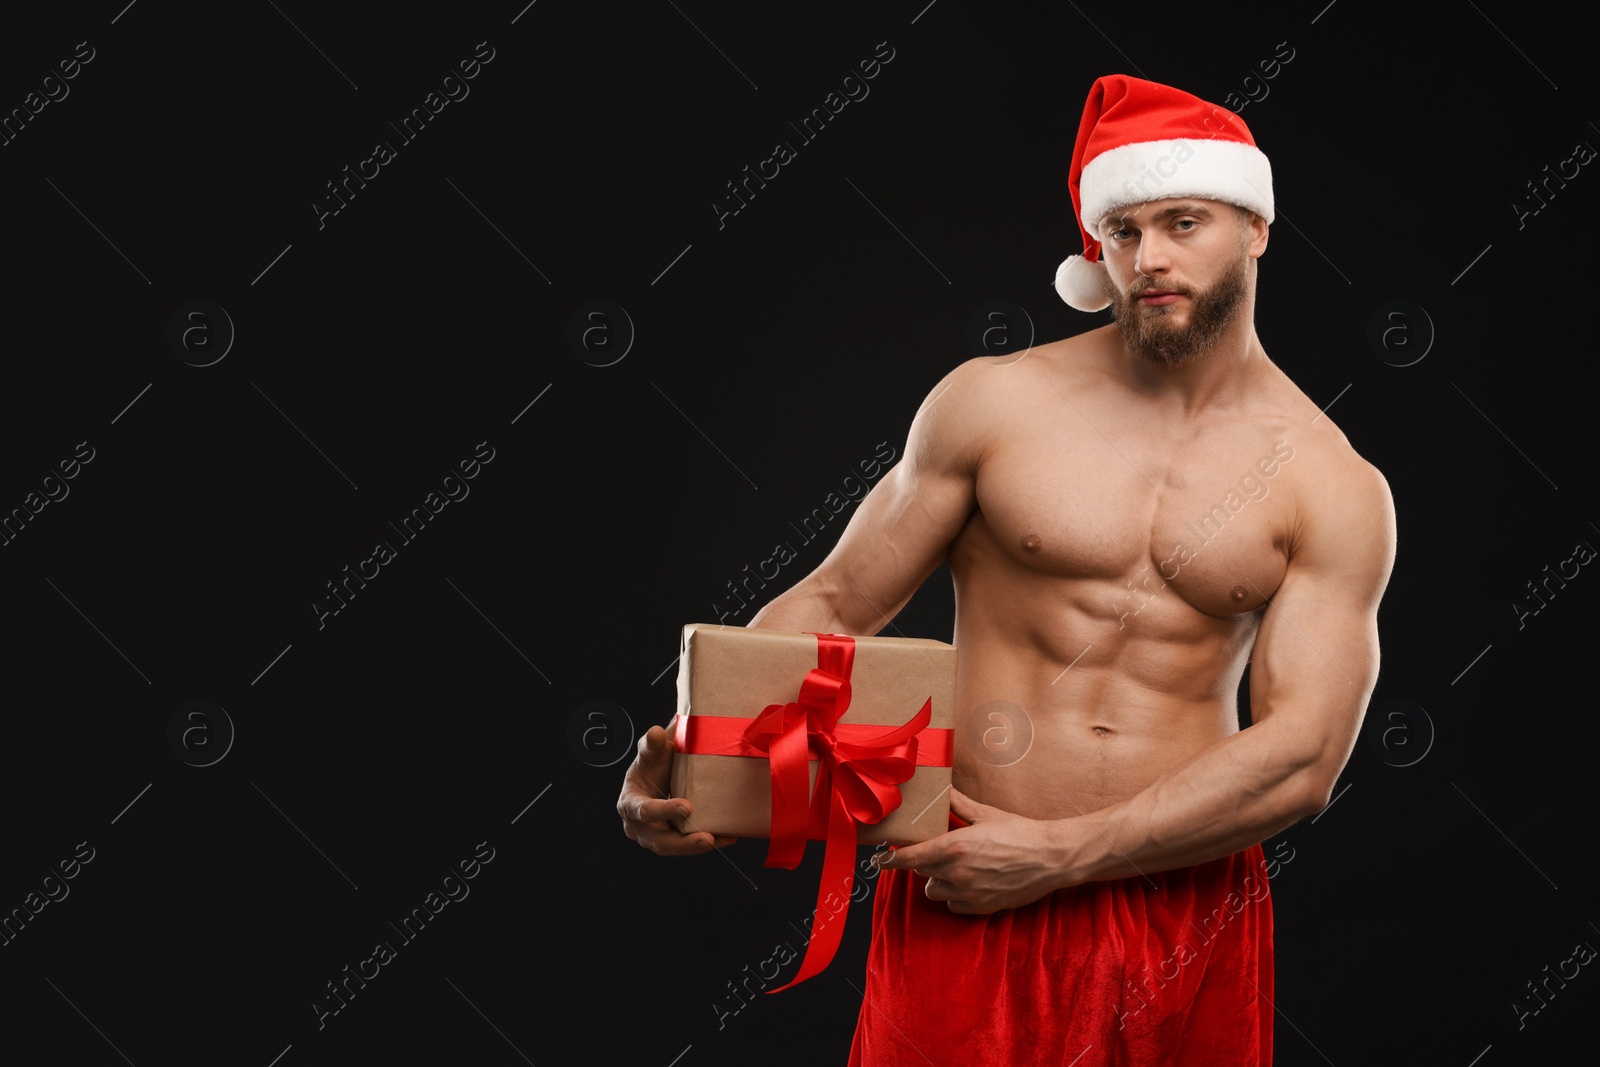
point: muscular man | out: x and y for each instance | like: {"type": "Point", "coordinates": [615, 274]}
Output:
{"type": "Point", "coordinates": [1130, 516]}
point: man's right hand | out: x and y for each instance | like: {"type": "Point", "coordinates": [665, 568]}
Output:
{"type": "Point", "coordinates": [646, 809]}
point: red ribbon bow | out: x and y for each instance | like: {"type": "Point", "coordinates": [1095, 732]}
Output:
{"type": "Point", "coordinates": [859, 771]}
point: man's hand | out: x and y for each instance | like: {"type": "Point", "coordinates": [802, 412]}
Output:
{"type": "Point", "coordinates": [1001, 861]}
{"type": "Point", "coordinates": [646, 809]}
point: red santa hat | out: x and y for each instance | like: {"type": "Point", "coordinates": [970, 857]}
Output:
{"type": "Point", "coordinates": [1141, 141]}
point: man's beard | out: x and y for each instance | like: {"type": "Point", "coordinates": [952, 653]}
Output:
{"type": "Point", "coordinates": [1149, 333]}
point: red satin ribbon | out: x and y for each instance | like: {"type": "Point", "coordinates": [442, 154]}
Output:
{"type": "Point", "coordinates": [859, 771]}
{"type": "Point", "coordinates": [723, 735]}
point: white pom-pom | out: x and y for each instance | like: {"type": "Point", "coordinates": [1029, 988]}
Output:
{"type": "Point", "coordinates": [1082, 284]}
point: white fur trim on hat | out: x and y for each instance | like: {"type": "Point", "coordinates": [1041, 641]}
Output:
{"type": "Point", "coordinates": [1208, 168]}
{"type": "Point", "coordinates": [1082, 284]}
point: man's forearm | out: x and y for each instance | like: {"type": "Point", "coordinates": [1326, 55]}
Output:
{"type": "Point", "coordinates": [1239, 792]}
{"type": "Point", "coordinates": [804, 607]}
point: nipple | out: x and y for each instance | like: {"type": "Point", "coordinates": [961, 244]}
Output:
{"type": "Point", "coordinates": [1032, 543]}
{"type": "Point", "coordinates": [1238, 592]}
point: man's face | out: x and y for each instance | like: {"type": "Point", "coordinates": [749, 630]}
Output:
{"type": "Point", "coordinates": [1177, 273]}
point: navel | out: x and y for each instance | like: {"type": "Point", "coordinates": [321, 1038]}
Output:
{"type": "Point", "coordinates": [1032, 543]}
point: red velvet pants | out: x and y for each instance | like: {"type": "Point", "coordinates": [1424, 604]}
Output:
{"type": "Point", "coordinates": [1174, 970]}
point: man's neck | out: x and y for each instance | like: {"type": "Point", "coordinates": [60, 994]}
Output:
{"type": "Point", "coordinates": [1215, 379]}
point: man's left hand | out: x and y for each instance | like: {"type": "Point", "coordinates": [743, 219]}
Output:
{"type": "Point", "coordinates": [1002, 860]}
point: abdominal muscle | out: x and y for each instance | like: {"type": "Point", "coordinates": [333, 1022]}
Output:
{"type": "Point", "coordinates": [1060, 711]}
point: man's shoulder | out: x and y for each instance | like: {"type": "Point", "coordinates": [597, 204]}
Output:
{"type": "Point", "coordinates": [1343, 503]}
{"type": "Point", "coordinates": [1338, 479]}
{"type": "Point", "coordinates": [984, 381]}
{"type": "Point", "coordinates": [963, 416]}
{"type": "Point", "coordinates": [1317, 434]}
{"type": "Point", "coordinates": [1336, 467]}
{"type": "Point", "coordinates": [1337, 492]}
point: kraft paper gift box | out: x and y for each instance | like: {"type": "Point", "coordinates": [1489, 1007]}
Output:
{"type": "Point", "coordinates": [737, 672]}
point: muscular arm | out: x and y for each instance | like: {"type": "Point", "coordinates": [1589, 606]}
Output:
{"type": "Point", "coordinates": [901, 531]}
{"type": "Point", "coordinates": [1312, 672]}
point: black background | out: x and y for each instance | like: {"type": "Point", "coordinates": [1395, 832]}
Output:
{"type": "Point", "coordinates": [768, 357]}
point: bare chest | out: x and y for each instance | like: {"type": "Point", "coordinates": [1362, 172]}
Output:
{"type": "Point", "coordinates": [1207, 517]}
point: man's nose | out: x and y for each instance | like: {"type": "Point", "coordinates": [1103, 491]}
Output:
{"type": "Point", "coordinates": [1152, 257]}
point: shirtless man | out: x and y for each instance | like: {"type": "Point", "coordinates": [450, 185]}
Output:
{"type": "Point", "coordinates": [1130, 516]}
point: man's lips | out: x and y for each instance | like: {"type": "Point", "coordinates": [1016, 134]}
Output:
{"type": "Point", "coordinates": [1158, 296]}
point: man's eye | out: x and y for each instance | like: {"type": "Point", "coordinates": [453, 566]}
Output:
{"type": "Point", "coordinates": [1116, 235]}
{"type": "Point", "coordinates": [1186, 222]}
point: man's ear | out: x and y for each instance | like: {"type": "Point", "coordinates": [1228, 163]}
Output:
{"type": "Point", "coordinates": [1257, 228]}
